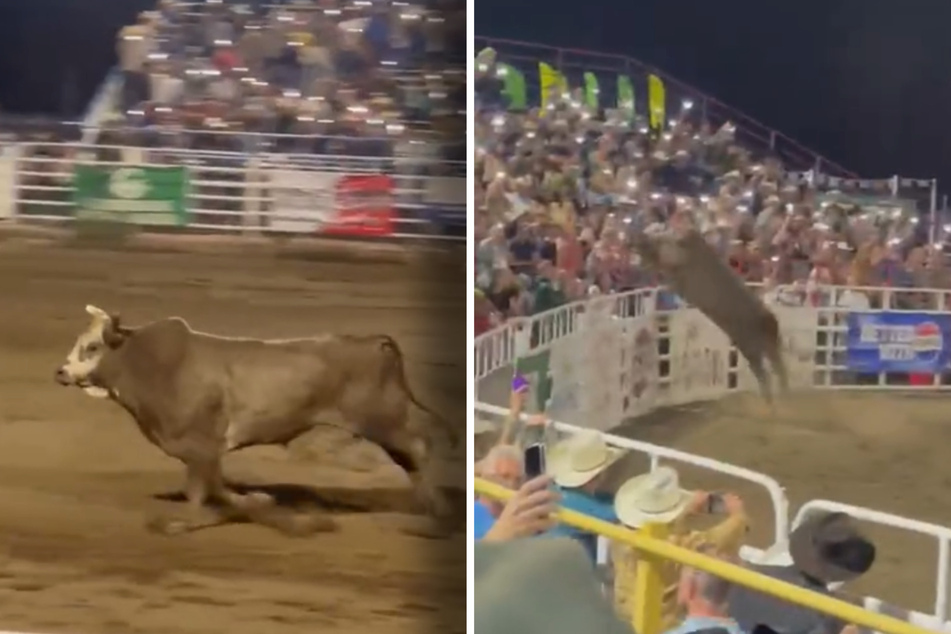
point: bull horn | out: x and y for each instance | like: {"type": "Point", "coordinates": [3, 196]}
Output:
{"type": "Point", "coordinates": [96, 312]}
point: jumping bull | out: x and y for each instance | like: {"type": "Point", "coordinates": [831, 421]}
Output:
{"type": "Point", "coordinates": [696, 273]}
{"type": "Point", "coordinates": [198, 396]}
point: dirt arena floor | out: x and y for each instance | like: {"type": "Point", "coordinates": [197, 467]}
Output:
{"type": "Point", "coordinates": [78, 483]}
{"type": "Point", "coordinates": [888, 453]}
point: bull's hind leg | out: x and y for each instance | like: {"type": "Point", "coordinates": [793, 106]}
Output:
{"type": "Point", "coordinates": [758, 369]}
{"type": "Point", "coordinates": [778, 365]}
{"type": "Point", "coordinates": [412, 453]}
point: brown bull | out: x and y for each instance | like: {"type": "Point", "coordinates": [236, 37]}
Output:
{"type": "Point", "coordinates": [699, 275]}
{"type": "Point", "coordinates": [198, 396]}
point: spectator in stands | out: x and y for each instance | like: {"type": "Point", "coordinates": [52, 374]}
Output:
{"type": "Point", "coordinates": [539, 586]}
{"type": "Point", "coordinates": [503, 465]}
{"type": "Point", "coordinates": [704, 597]}
{"type": "Point", "coordinates": [599, 174]}
{"type": "Point", "coordinates": [346, 69]}
{"type": "Point", "coordinates": [827, 548]}
{"type": "Point", "coordinates": [579, 466]}
{"type": "Point", "coordinates": [530, 510]}
{"type": "Point", "coordinates": [487, 316]}
{"type": "Point", "coordinates": [657, 498]}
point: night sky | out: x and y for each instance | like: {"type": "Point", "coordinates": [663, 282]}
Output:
{"type": "Point", "coordinates": [55, 53]}
{"type": "Point", "coordinates": [865, 83]}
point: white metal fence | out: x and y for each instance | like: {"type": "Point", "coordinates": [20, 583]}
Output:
{"type": "Point", "coordinates": [379, 197]}
{"type": "Point", "coordinates": [649, 358]}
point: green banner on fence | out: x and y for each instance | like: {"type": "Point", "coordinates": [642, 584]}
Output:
{"type": "Point", "coordinates": [536, 368]}
{"type": "Point", "coordinates": [143, 195]}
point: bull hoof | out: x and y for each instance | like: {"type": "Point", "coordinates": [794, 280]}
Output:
{"type": "Point", "coordinates": [169, 526]}
{"type": "Point", "coordinates": [256, 500]}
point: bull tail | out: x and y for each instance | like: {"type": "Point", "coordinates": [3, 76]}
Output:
{"type": "Point", "coordinates": [395, 354]}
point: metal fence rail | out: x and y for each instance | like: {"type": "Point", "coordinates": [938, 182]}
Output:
{"type": "Point", "coordinates": [358, 196]}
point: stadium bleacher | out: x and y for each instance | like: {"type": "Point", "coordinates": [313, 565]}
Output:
{"type": "Point", "coordinates": [304, 77]}
{"type": "Point", "coordinates": [574, 150]}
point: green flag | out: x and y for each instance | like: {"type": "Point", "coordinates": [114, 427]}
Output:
{"type": "Point", "coordinates": [591, 90]}
{"type": "Point", "coordinates": [514, 87]}
{"type": "Point", "coordinates": [625, 94]}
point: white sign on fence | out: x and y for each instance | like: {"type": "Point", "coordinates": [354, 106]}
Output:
{"type": "Point", "coordinates": [699, 358]}
{"type": "Point", "coordinates": [303, 201]}
{"type": "Point", "coordinates": [639, 362]}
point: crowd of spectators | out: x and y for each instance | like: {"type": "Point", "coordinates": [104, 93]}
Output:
{"type": "Point", "coordinates": [308, 76]}
{"type": "Point", "coordinates": [560, 190]}
{"type": "Point", "coordinates": [534, 574]}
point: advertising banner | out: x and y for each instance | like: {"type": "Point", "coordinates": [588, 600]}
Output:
{"type": "Point", "coordinates": [898, 342]}
{"type": "Point", "coordinates": [143, 195]}
{"type": "Point", "coordinates": [364, 206]}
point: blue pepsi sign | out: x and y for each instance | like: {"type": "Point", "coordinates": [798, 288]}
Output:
{"type": "Point", "coordinates": [898, 342]}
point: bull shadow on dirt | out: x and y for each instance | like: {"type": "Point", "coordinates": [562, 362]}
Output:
{"type": "Point", "coordinates": [341, 500]}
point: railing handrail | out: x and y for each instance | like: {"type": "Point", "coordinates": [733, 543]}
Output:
{"type": "Point", "coordinates": [731, 572]}
{"type": "Point", "coordinates": [776, 491]}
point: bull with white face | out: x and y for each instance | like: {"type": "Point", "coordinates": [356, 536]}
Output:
{"type": "Point", "coordinates": [198, 396]}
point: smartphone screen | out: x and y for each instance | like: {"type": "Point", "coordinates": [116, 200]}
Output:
{"type": "Point", "coordinates": [715, 505]}
{"type": "Point", "coordinates": [534, 461]}
{"type": "Point", "coordinates": [519, 383]}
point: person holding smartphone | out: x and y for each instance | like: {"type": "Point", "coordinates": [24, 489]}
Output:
{"type": "Point", "coordinates": [658, 498]}
{"type": "Point", "coordinates": [530, 511]}
{"type": "Point", "coordinates": [580, 467]}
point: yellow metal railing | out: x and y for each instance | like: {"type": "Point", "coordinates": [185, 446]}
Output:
{"type": "Point", "coordinates": [647, 611]}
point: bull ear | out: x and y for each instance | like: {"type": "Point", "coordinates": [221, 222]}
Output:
{"type": "Point", "coordinates": [114, 335]}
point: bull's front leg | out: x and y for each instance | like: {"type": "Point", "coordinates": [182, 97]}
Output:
{"type": "Point", "coordinates": [200, 481]}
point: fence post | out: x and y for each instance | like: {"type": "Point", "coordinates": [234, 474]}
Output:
{"type": "Point", "coordinates": [9, 162]}
{"type": "Point", "coordinates": [253, 193]}
{"type": "Point", "coordinates": [933, 212]}
{"type": "Point", "coordinates": [649, 585]}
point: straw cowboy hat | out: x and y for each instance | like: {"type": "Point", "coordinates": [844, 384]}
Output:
{"type": "Point", "coordinates": [654, 497]}
{"type": "Point", "coordinates": [830, 548]}
{"type": "Point", "coordinates": [577, 460]}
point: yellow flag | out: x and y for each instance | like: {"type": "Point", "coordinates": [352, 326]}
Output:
{"type": "Point", "coordinates": [551, 82]}
{"type": "Point", "coordinates": [657, 100]}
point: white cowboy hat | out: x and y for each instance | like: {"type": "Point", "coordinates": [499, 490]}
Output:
{"type": "Point", "coordinates": [577, 460]}
{"type": "Point", "coordinates": [654, 497]}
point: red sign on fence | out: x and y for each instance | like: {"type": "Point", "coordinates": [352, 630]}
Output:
{"type": "Point", "coordinates": [364, 206]}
